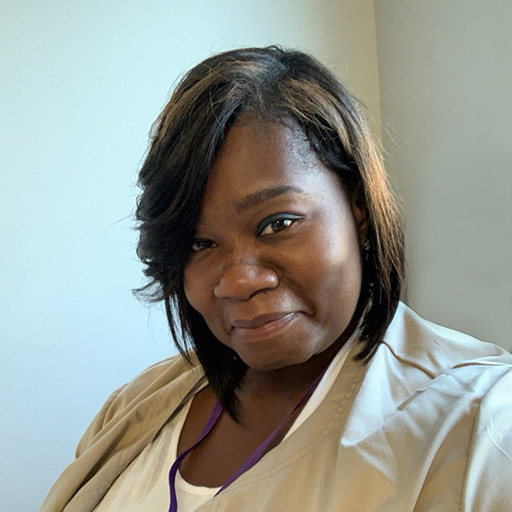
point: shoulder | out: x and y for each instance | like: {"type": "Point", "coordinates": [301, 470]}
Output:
{"type": "Point", "coordinates": [424, 370]}
{"type": "Point", "coordinates": [171, 379]}
{"type": "Point", "coordinates": [170, 371]}
{"type": "Point", "coordinates": [451, 394]}
{"type": "Point", "coordinates": [489, 465]}
{"type": "Point", "coordinates": [483, 436]}
{"type": "Point", "coordinates": [436, 349]}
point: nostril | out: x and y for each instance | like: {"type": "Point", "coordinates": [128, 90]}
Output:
{"type": "Point", "coordinates": [240, 282]}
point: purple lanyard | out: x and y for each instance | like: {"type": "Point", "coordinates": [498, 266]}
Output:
{"type": "Point", "coordinates": [248, 463]}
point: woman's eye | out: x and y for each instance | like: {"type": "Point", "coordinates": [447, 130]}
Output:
{"type": "Point", "coordinates": [200, 244]}
{"type": "Point", "coordinates": [276, 223]}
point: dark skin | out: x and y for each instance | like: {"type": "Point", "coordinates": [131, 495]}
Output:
{"type": "Point", "coordinates": [275, 271]}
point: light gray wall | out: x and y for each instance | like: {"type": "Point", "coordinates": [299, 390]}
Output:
{"type": "Point", "coordinates": [446, 97]}
{"type": "Point", "coordinates": [80, 84]}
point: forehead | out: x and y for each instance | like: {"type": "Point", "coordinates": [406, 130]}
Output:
{"type": "Point", "coordinates": [282, 140]}
{"type": "Point", "coordinates": [260, 160]}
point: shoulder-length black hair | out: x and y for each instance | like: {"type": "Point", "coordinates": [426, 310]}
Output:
{"type": "Point", "coordinates": [274, 84]}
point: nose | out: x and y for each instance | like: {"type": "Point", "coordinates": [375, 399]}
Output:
{"type": "Point", "coordinates": [241, 280]}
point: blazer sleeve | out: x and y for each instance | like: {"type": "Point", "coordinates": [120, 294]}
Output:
{"type": "Point", "coordinates": [97, 423]}
{"type": "Point", "coordinates": [488, 478]}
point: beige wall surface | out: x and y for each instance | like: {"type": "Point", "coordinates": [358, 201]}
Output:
{"type": "Point", "coordinates": [445, 69]}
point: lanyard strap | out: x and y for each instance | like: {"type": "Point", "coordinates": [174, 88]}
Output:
{"type": "Point", "coordinates": [214, 416]}
{"type": "Point", "coordinates": [248, 463]}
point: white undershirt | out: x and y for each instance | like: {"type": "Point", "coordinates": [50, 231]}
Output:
{"type": "Point", "coordinates": [144, 485]}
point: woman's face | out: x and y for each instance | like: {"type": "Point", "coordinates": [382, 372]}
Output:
{"type": "Point", "coordinates": [275, 268]}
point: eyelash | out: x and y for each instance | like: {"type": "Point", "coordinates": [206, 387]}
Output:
{"type": "Point", "coordinates": [201, 244]}
{"type": "Point", "coordinates": [196, 243]}
{"type": "Point", "coordinates": [288, 218]}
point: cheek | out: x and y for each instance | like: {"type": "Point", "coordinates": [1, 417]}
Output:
{"type": "Point", "coordinates": [198, 291]}
{"type": "Point", "coordinates": [340, 278]}
{"type": "Point", "coordinates": [194, 289]}
{"type": "Point", "coordinates": [343, 283]}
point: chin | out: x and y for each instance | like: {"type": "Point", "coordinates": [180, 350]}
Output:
{"type": "Point", "coordinates": [273, 362]}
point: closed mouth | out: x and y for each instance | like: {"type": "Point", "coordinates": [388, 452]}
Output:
{"type": "Point", "coordinates": [262, 325]}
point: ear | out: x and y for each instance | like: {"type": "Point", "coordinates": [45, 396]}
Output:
{"type": "Point", "coordinates": [360, 212]}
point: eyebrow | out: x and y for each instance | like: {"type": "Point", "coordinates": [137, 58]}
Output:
{"type": "Point", "coordinates": [264, 195]}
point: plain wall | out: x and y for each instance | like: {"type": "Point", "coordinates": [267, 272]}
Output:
{"type": "Point", "coordinates": [446, 96]}
{"type": "Point", "coordinates": [80, 85]}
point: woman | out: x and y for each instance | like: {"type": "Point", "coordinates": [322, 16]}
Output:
{"type": "Point", "coordinates": [268, 229]}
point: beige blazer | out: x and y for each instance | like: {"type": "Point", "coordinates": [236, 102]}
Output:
{"type": "Point", "coordinates": [426, 426]}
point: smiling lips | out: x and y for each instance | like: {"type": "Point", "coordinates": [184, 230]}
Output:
{"type": "Point", "coordinates": [261, 326]}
